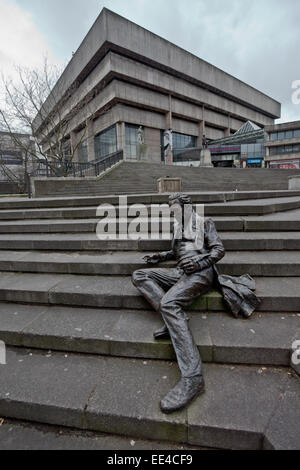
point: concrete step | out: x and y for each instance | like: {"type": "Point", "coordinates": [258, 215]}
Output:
{"type": "Point", "coordinates": [276, 294]}
{"type": "Point", "coordinates": [229, 208]}
{"type": "Point", "coordinates": [280, 222]}
{"type": "Point", "coordinates": [89, 242]}
{"type": "Point", "coordinates": [23, 435]}
{"type": "Point", "coordinates": [121, 396]}
{"type": "Point", "coordinates": [266, 263]}
{"type": "Point", "coordinates": [265, 339]}
{"type": "Point", "coordinates": [10, 204]}
{"type": "Point", "coordinates": [90, 225]}
{"type": "Point", "coordinates": [38, 215]}
{"type": "Point", "coordinates": [265, 206]}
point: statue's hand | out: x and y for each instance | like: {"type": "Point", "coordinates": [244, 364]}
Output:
{"type": "Point", "coordinates": [153, 259]}
{"type": "Point", "coordinates": [189, 265]}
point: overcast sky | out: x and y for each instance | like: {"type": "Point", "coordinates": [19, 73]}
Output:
{"type": "Point", "coordinates": [257, 41]}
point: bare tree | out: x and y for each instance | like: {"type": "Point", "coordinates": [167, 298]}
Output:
{"type": "Point", "coordinates": [39, 103]}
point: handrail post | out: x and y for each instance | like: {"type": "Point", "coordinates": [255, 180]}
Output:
{"type": "Point", "coordinates": [28, 185]}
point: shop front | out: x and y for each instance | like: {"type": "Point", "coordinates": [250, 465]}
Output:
{"type": "Point", "coordinates": [225, 156]}
{"type": "Point", "coordinates": [285, 164]}
{"type": "Point", "coordinates": [255, 163]}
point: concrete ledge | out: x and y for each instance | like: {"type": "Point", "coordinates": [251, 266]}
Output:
{"type": "Point", "coordinates": [294, 182]}
{"type": "Point", "coordinates": [219, 337]}
{"type": "Point", "coordinates": [41, 187]}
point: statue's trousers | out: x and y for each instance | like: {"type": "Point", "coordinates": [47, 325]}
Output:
{"type": "Point", "coordinates": [171, 292]}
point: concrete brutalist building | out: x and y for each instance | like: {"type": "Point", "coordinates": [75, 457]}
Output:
{"type": "Point", "coordinates": [283, 145]}
{"type": "Point", "coordinates": [130, 86]}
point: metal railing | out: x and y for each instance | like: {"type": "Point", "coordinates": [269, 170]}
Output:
{"type": "Point", "coordinates": [52, 169]}
{"type": "Point", "coordinates": [73, 169]}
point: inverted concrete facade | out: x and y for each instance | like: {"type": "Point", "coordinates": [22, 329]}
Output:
{"type": "Point", "coordinates": [124, 78]}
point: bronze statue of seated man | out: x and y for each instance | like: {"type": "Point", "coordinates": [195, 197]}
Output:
{"type": "Point", "coordinates": [171, 291]}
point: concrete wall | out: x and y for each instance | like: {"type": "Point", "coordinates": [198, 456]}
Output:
{"type": "Point", "coordinates": [114, 65]}
{"type": "Point", "coordinates": [138, 40]}
{"type": "Point", "coordinates": [212, 133]}
{"type": "Point", "coordinates": [152, 141]}
{"type": "Point", "coordinates": [284, 126]}
{"type": "Point", "coordinates": [286, 156]}
{"type": "Point", "coordinates": [8, 188]}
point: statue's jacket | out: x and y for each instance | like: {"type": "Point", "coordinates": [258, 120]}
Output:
{"type": "Point", "coordinates": [238, 292]}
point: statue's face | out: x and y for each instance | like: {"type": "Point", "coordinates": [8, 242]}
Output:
{"type": "Point", "coordinates": [176, 207]}
{"type": "Point", "coordinates": [174, 202]}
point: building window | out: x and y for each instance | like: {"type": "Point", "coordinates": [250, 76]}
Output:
{"type": "Point", "coordinates": [253, 150]}
{"type": "Point", "coordinates": [83, 152]}
{"type": "Point", "coordinates": [284, 149]}
{"type": "Point", "coordinates": [131, 140]}
{"type": "Point", "coordinates": [105, 143]}
{"type": "Point", "coordinates": [66, 150]}
{"type": "Point", "coordinates": [296, 148]}
{"type": "Point", "coordinates": [11, 157]}
{"type": "Point", "coordinates": [183, 141]}
{"type": "Point", "coordinates": [289, 134]}
{"type": "Point", "coordinates": [285, 135]}
{"type": "Point", "coordinates": [297, 133]}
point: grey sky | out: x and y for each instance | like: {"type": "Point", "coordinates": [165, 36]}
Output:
{"type": "Point", "coordinates": [258, 41]}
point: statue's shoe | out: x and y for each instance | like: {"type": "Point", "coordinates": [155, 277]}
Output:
{"type": "Point", "coordinates": [162, 333]}
{"type": "Point", "coordinates": [182, 394]}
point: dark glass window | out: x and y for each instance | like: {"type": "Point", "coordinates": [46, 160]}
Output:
{"type": "Point", "coordinates": [297, 133]}
{"type": "Point", "coordinates": [283, 149]}
{"type": "Point", "coordinates": [162, 145]}
{"type": "Point", "coordinates": [181, 141]}
{"type": "Point", "coordinates": [274, 136]}
{"type": "Point", "coordinates": [11, 157]}
{"type": "Point", "coordinates": [66, 150]}
{"type": "Point", "coordinates": [131, 140]}
{"type": "Point", "coordinates": [83, 152]}
{"type": "Point", "coordinates": [105, 143]}
{"type": "Point", "coordinates": [281, 135]}
{"type": "Point", "coordinates": [289, 134]}
{"type": "Point", "coordinates": [296, 148]}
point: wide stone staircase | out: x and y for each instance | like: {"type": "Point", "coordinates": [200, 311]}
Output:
{"type": "Point", "coordinates": [141, 178]}
{"type": "Point", "coordinates": [82, 363]}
